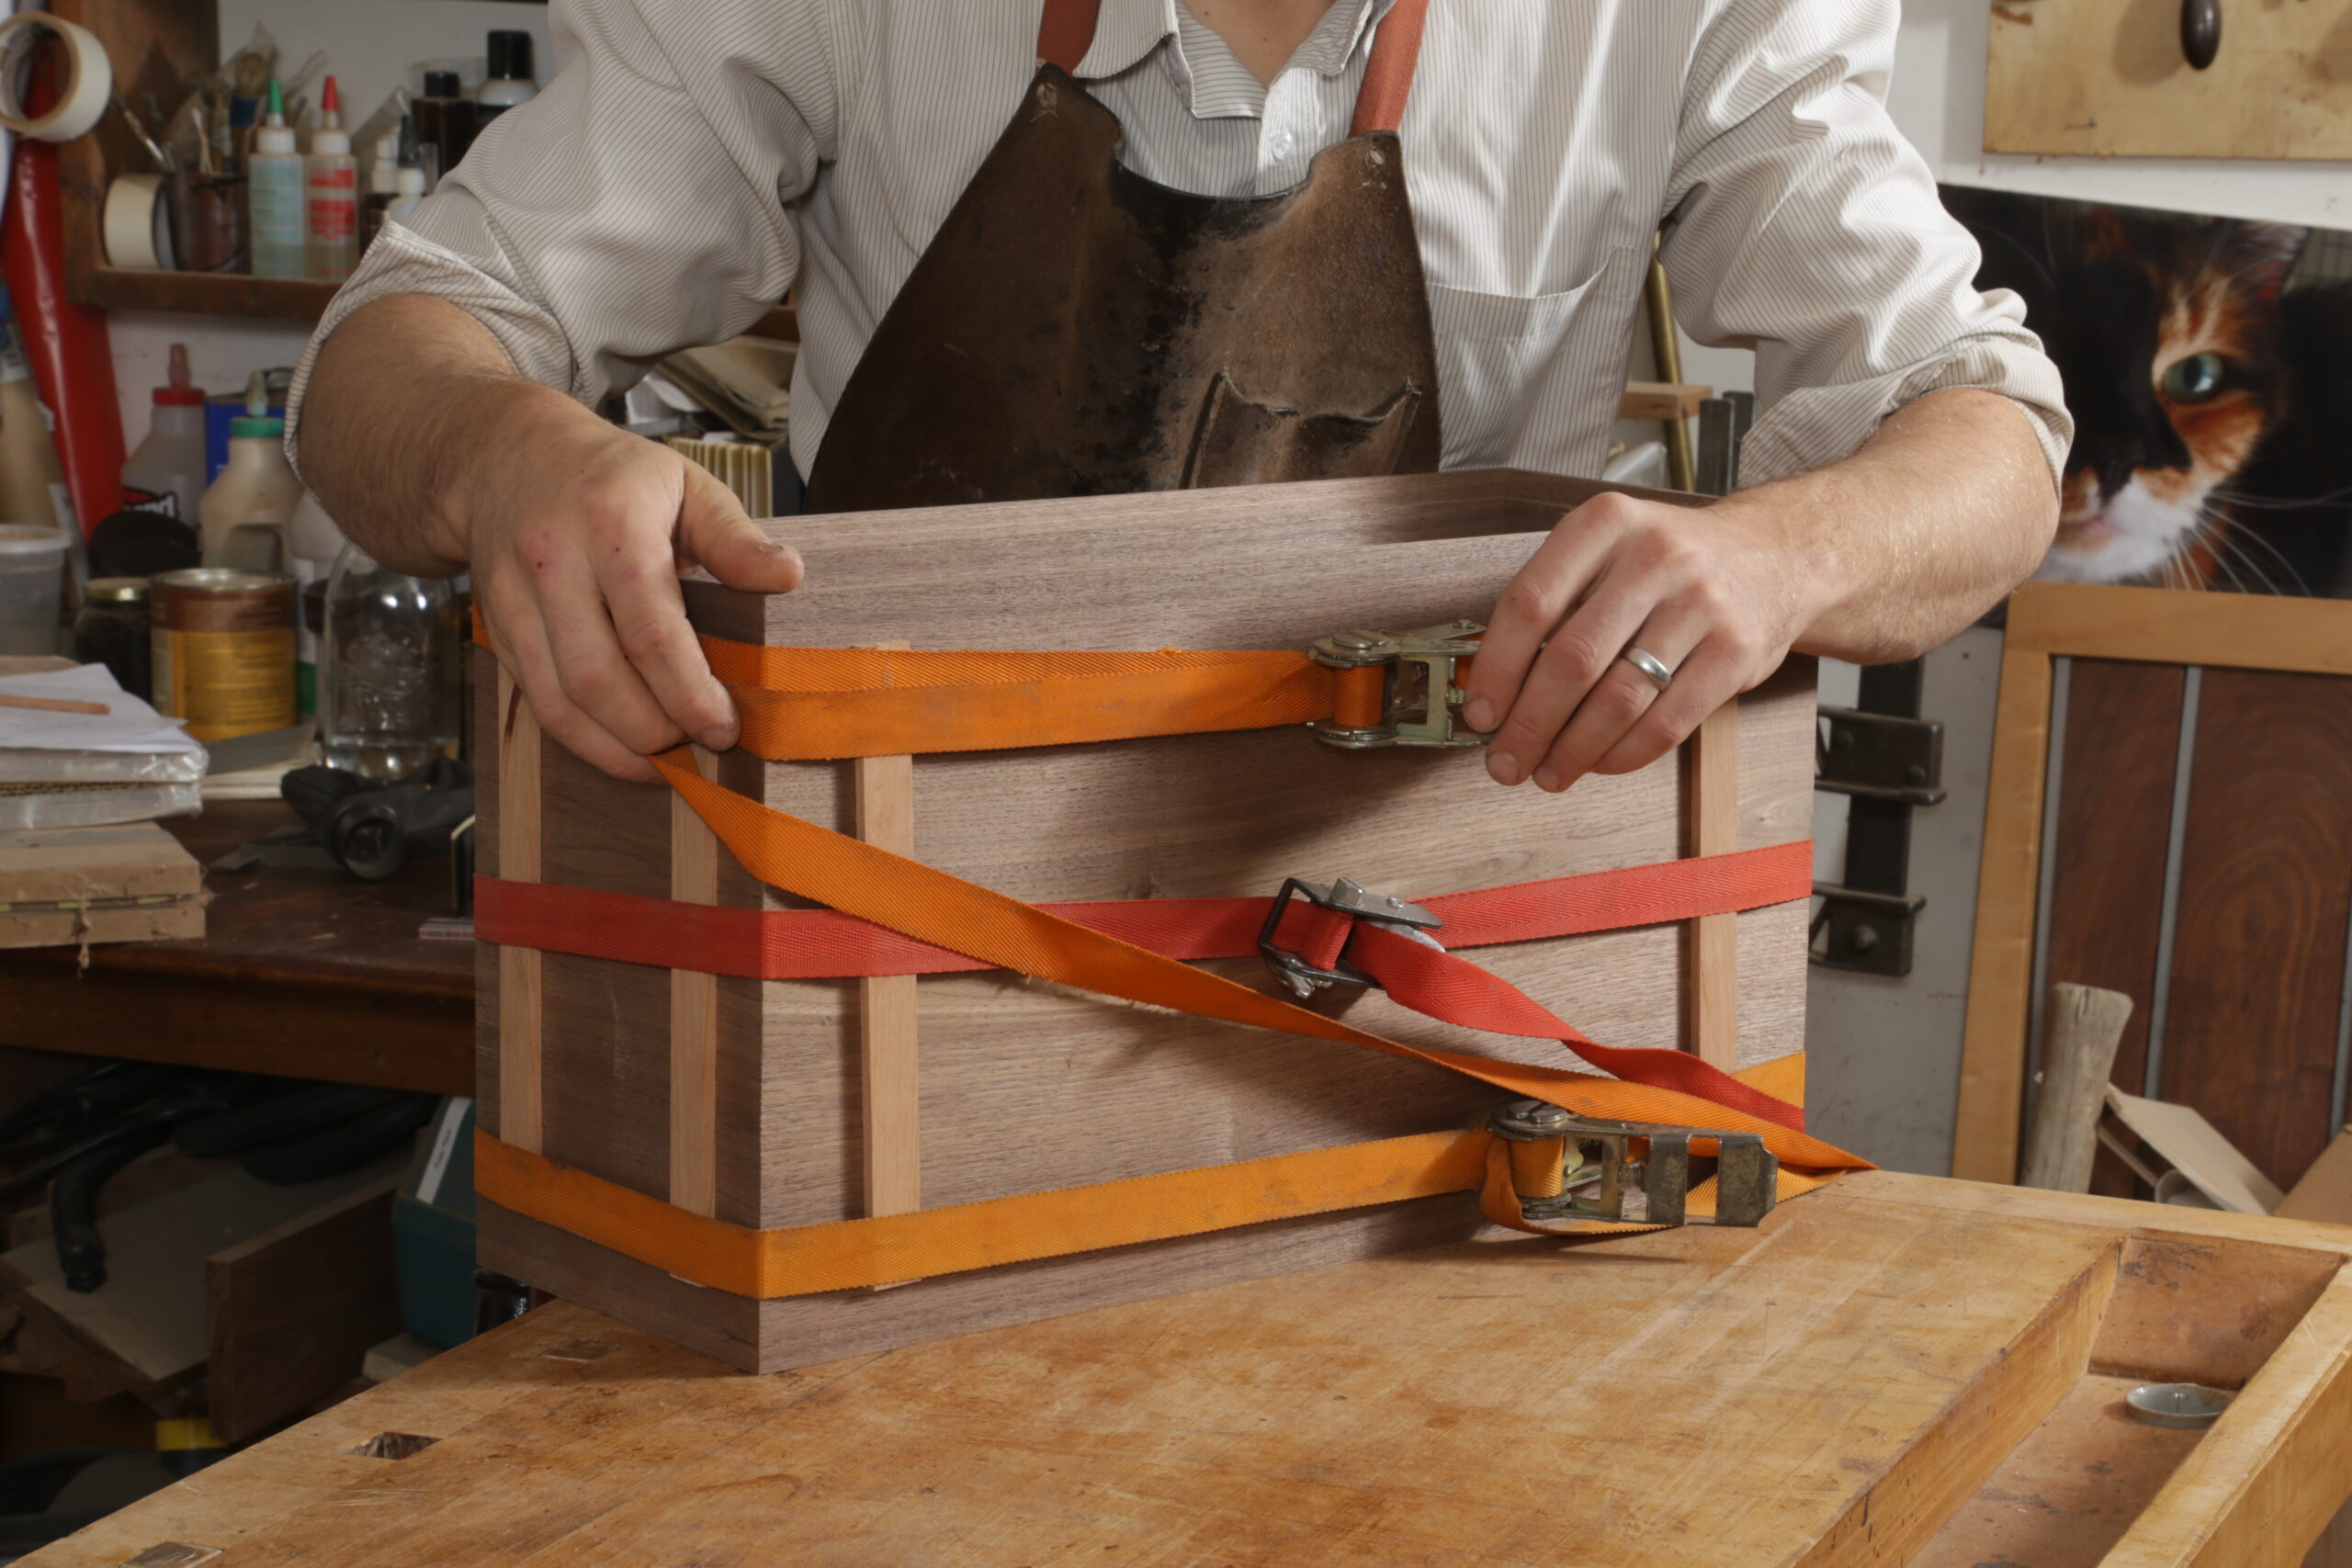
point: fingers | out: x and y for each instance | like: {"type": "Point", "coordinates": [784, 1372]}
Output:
{"type": "Point", "coordinates": [1571, 672]}
{"type": "Point", "coordinates": [643, 618]}
{"type": "Point", "coordinates": [519, 640]}
{"type": "Point", "coordinates": [1622, 696]}
{"type": "Point", "coordinates": [1555, 577]}
{"type": "Point", "coordinates": [1713, 675]}
{"type": "Point", "coordinates": [715, 533]}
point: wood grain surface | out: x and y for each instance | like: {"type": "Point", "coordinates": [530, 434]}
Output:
{"type": "Point", "coordinates": [2107, 890]}
{"type": "Point", "coordinates": [2266, 889]}
{"type": "Point", "coordinates": [2106, 78]}
{"type": "Point", "coordinates": [693, 1019]}
{"type": "Point", "coordinates": [1898, 1370]}
{"type": "Point", "coordinates": [1029, 1087]}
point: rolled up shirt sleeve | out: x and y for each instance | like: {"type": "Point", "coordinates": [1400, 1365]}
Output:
{"type": "Point", "coordinates": [641, 203]}
{"type": "Point", "coordinates": [1804, 227]}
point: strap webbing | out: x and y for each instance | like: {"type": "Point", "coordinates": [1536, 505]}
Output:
{"type": "Point", "coordinates": [813, 944]}
{"type": "Point", "coordinates": [824, 704]}
{"type": "Point", "coordinates": [1667, 1087]}
{"type": "Point", "coordinates": [800, 1260]}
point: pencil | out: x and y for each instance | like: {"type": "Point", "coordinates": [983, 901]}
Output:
{"type": "Point", "coordinates": [52, 705]}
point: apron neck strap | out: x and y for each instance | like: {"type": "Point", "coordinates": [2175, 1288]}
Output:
{"type": "Point", "coordinates": [1066, 32]}
{"type": "Point", "coordinates": [1388, 75]}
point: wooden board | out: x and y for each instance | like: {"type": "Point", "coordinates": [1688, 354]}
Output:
{"type": "Point", "coordinates": [291, 1313]}
{"type": "Point", "coordinates": [1025, 1088]}
{"type": "Point", "coordinates": [2265, 887]}
{"type": "Point", "coordinates": [131, 882]}
{"type": "Point", "coordinates": [1871, 1378]}
{"type": "Point", "coordinates": [2107, 77]}
{"type": "Point", "coordinates": [2223, 633]}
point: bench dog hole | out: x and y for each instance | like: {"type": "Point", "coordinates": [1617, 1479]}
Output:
{"type": "Point", "coordinates": [393, 1445]}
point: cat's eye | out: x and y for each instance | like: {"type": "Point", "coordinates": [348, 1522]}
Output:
{"type": "Point", "coordinates": [2193, 379]}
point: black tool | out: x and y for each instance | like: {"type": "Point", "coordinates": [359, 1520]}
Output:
{"type": "Point", "coordinates": [2200, 32]}
{"type": "Point", "coordinates": [372, 830]}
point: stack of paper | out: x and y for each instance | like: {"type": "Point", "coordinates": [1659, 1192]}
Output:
{"type": "Point", "coordinates": [78, 769]}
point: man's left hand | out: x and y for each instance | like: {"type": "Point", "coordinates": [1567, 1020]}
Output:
{"type": "Point", "coordinates": [1714, 595]}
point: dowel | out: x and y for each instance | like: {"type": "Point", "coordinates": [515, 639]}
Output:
{"type": "Point", "coordinates": [693, 1019]}
{"type": "Point", "coordinates": [2081, 1031]}
{"type": "Point", "coordinates": [1714, 939]}
{"type": "Point", "coordinates": [519, 1012]}
{"type": "Point", "coordinates": [886, 1029]}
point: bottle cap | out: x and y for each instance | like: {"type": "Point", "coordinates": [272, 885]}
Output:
{"type": "Point", "coordinates": [243, 429]}
{"type": "Point", "coordinates": [331, 108]}
{"type": "Point", "coordinates": [510, 55]}
{"type": "Point", "coordinates": [411, 181]}
{"type": "Point", "coordinates": [442, 85]}
{"type": "Point", "coordinates": [180, 390]}
{"type": "Point", "coordinates": [331, 141]}
{"type": "Point", "coordinates": [275, 135]}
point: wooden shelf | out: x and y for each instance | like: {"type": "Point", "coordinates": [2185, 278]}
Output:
{"type": "Point", "coordinates": [202, 293]}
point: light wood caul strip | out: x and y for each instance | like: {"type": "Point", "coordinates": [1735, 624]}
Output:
{"type": "Point", "coordinates": [887, 1038]}
{"type": "Point", "coordinates": [1714, 939]}
{"type": "Point", "coordinates": [519, 1008]}
{"type": "Point", "coordinates": [693, 1019]}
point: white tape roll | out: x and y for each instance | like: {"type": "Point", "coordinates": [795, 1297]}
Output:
{"type": "Point", "coordinates": [89, 79]}
{"type": "Point", "coordinates": [138, 224]}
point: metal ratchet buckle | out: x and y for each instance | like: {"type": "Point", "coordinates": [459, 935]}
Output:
{"type": "Point", "coordinates": [1346, 897]}
{"type": "Point", "coordinates": [1596, 1162]}
{"type": "Point", "coordinates": [1420, 702]}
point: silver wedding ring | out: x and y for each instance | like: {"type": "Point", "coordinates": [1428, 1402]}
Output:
{"type": "Point", "coordinates": [1649, 665]}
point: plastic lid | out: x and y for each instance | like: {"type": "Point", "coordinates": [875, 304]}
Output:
{"type": "Point", "coordinates": [179, 397]}
{"type": "Point", "coordinates": [245, 427]}
{"type": "Point", "coordinates": [23, 539]}
{"type": "Point", "coordinates": [331, 107]}
{"type": "Point", "coordinates": [274, 139]}
{"type": "Point", "coordinates": [442, 85]}
{"type": "Point", "coordinates": [117, 590]}
{"type": "Point", "coordinates": [330, 141]}
{"type": "Point", "coordinates": [387, 146]}
{"type": "Point", "coordinates": [412, 180]}
{"type": "Point", "coordinates": [510, 55]}
{"type": "Point", "coordinates": [181, 392]}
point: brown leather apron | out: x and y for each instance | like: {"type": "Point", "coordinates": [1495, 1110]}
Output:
{"type": "Point", "coordinates": [1075, 329]}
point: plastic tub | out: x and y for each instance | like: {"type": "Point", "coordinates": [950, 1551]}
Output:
{"type": "Point", "coordinates": [32, 571]}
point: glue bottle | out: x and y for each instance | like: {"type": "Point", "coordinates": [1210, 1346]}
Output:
{"type": "Point", "coordinates": [274, 195]}
{"type": "Point", "coordinates": [409, 176]}
{"type": "Point", "coordinates": [246, 513]}
{"type": "Point", "coordinates": [330, 194]}
{"type": "Point", "coordinates": [165, 475]}
{"type": "Point", "coordinates": [383, 184]}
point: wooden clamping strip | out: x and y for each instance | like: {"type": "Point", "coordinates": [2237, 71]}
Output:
{"type": "Point", "coordinates": [1714, 939]}
{"type": "Point", "coordinates": [886, 1019]}
{"type": "Point", "coordinates": [519, 1007]}
{"type": "Point", "coordinates": [693, 1019]}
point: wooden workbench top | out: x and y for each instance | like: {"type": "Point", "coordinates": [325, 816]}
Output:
{"type": "Point", "coordinates": [1898, 1370]}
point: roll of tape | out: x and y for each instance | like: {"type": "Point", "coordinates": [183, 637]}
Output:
{"type": "Point", "coordinates": [82, 97]}
{"type": "Point", "coordinates": [138, 224]}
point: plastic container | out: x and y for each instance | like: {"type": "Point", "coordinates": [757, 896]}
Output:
{"type": "Point", "coordinates": [388, 669]}
{"type": "Point", "coordinates": [165, 473]}
{"type": "Point", "coordinates": [445, 119]}
{"type": "Point", "coordinates": [330, 195]}
{"type": "Point", "coordinates": [273, 196]}
{"type": "Point", "coordinates": [244, 514]}
{"type": "Point", "coordinates": [32, 578]}
{"type": "Point", "coordinates": [509, 81]}
{"type": "Point", "coordinates": [111, 629]}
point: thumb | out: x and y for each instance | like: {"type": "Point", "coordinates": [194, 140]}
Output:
{"type": "Point", "coordinates": [715, 533]}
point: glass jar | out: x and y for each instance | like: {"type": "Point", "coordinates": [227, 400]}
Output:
{"type": "Point", "coordinates": [111, 629]}
{"type": "Point", "coordinates": [388, 663]}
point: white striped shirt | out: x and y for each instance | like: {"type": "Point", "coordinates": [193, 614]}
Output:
{"type": "Point", "coordinates": [692, 160]}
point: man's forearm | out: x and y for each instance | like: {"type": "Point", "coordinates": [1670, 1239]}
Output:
{"type": "Point", "coordinates": [405, 407]}
{"type": "Point", "coordinates": [1943, 511]}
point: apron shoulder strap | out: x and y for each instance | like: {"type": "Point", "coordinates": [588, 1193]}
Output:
{"type": "Point", "coordinates": [1066, 32]}
{"type": "Point", "coordinates": [1388, 75]}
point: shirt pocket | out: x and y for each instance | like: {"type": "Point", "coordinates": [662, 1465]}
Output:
{"type": "Point", "coordinates": [1532, 380]}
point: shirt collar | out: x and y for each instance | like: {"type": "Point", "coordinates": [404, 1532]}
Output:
{"type": "Point", "coordinates": [1125, 31]}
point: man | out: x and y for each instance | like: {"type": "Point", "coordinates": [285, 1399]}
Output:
{"type": "Point", "coordinates": [992, 311]}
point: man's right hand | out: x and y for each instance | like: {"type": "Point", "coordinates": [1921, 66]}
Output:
{"type": "Point", "coordinates": [576, 531]}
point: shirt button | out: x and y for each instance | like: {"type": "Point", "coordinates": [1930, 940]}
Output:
{"type": "Point", "coordinates": [1284, 144]}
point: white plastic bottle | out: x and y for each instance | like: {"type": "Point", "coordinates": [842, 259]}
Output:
{"type": "Point", "coordinates": [412, 191]}
{"type": "Point", "coordinates": [330, 195]}
{"type": "Point", "coordinates": [315, 541]}
{"type": "Point", "coordinates": [383, 184]}
{"type": "Point", "coordinates": [244, 514]}
{"type": "Point", "coordinates": [165, 474]}
{"type": "Point", "coordinates": [274, 195]}
{"type": "Point", "coordinates": [509, 81]}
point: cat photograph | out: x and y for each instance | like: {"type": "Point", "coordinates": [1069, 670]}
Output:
{"type": "Point", "coordinates": [2208, 363]}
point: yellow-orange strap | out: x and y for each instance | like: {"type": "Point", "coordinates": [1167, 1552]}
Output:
{"type": "Point", "coordinates": [800, 1260]}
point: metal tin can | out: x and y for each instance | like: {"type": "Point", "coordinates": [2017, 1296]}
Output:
{"type": "Point", "coordinates": [223, 650]}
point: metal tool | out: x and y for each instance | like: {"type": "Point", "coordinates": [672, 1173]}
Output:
{"type": "Point", "coordinates": [1597, 1175]}
{"type": "Point", "coordinates": [1304, 978]}
{"type": "Point", "coordinates": [1420, 700]}
{"type": "Point", "coordinates": [2180, 1404]}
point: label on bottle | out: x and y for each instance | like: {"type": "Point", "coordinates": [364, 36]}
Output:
{"type": "Point", "coordinates": [60, 502]}
{"type": "Point", "coordinates": [225, 683]}
{"type": "Point", "coordinates": [273, 200]}
{"type": "Point", "coordinates": [14, 365]}
{"type": "Point", "coordinates": [163, 503]}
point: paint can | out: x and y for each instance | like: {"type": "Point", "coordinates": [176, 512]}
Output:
{"type": "Point", "coordinates": [224, 645]}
